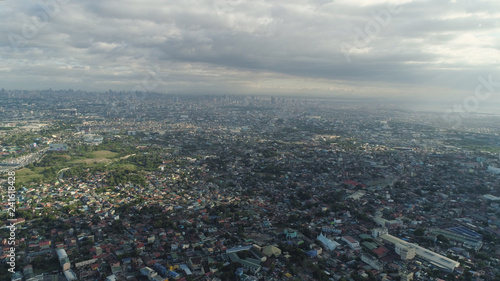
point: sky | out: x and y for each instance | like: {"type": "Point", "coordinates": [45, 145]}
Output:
{"type": "Point", "coordinates": [411, 50]}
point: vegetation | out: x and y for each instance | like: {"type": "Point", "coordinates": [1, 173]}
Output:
{"type": "Point", "coordinates": [117, 177]}
{"type": "Point", "coordinates": [148, 162]}
{"type": "Point", "coordinates": [104, 154]}
{"type": "Point", "coordinates": [41, 265]}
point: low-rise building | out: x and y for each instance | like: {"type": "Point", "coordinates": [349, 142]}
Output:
{"type": "Point", "coordinates": [351, 242]}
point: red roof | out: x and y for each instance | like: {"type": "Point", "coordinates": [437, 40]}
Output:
{"type": "Point", "coordinates": [381, 251]}
{"type": "Point", "coordinates": [350, 239]}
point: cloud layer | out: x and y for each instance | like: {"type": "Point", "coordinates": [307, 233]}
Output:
{"type": "Point", "coordinates": [310, 47]}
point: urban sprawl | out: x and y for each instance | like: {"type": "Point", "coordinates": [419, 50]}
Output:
{"type": "Point", "coordinates": [145, 186]}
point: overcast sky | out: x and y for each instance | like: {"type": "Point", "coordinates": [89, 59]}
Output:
{"type": "Point", "coordinates": [424, 49]}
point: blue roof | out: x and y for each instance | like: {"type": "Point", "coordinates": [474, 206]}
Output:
{"type": "Point", "coordinates": [312, 253]}
{"type": "Point", "coordinates": [173, 274]}
{"type": "Point", "coordinates": [466, 232]}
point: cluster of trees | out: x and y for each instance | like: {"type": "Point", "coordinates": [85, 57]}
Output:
{"type": "Point", "coordinates": [148, 162]}
{"type": "Point", "coordinates": [117, 177]}
{"type": "Point", "coordinates": [20, 139]}
{"type": "Point", "coordinates": [118, 227]}
{"type": "Point", "coordinates": [117, 146]}
{"type": "Point", "coordinates": [229, 272]}
{"type": "Point", "coordinates": [163, 221]}
{"type": "Point", "coordinates": [82, 170]}
{"type": "Point", "coordinates": [40, 264]}
{"type": "Point", "coordinates": [419, 231]}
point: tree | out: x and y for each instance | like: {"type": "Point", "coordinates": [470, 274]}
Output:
{"type": "Point", "coordinates": [442, 238]}
{"type": "Point", "coordinates": [420, 231]}
{"type": "Point", "coordinates": [118, 227]}
{"type": "Point", "coordinates": [399, 185]}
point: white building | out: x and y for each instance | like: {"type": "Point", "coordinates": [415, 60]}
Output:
{"type": "Point", "coordinates": [70, 275]}
{"type": "Point", "coordinates": [433, 258]}
{"type": "Point", "coordinates": [371, 262]}
{"type": "Point", "coordinates": [493, 170]}
{"type": "Point", "coordinates": [327, 243]}
{"type": "Point", "coordinates": [329, 229]}
{"type": "Point", "coordinates": [84, 263]}
{"type": "Point", "coordinates": [149, 272]}
{"type": "Point", "coordinates": [63, 259]}
{"type": "Point", "coordinates": [377, 232]}
{"type": "Point", "coordinates": [61, 253]}
{"type": "Point", "coordinates": [351, 242]}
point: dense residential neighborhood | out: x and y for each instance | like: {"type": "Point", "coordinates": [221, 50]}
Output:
{"type": "Point", "coordinates": [165, 187]}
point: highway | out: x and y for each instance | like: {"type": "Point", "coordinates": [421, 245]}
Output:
{"type": "Point", "coordinates": [22, 161]}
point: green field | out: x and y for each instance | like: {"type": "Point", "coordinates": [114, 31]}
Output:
{"type": "Point", "coordinates": [50, 164]}
{"type": "Point", "coordinates": [96, 157]}
{"type": "Point", "coordinates": [104, 154]}
{"type": "Point", "coordinates": [26, 175]}
{"type": "Point", "coordinates": [130, 167]}
{"type": "Point", "coordinates": [48, 168]}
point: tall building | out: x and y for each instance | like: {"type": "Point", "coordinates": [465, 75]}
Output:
{"type": "Point", "coordinates": [406, 252]}
{"type": "Point", "coordinates": [63, 259]}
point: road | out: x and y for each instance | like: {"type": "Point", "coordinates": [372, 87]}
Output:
{"type": "Point", "coordinates": [24, 160]}
{"type": "Point", "coordinates": [61, 172]}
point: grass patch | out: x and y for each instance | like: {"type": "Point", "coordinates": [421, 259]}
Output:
{"type": "Point", "coordinates": [92, 161]}
{"type": "Point", "coordinates": [104, 154]}
{"type": "Point", "coordinates": [130, 167]}
{"type": "Point", "coordinates": [26, 175]}
{"type": "Point", "coordinates": [484, 148]}
{"type": "Point", "coordinates": [61, 157]}
{"type": "Point", "coordinates": [96, 157]}
{"type": "Point", "coordinates": [38, 170]}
